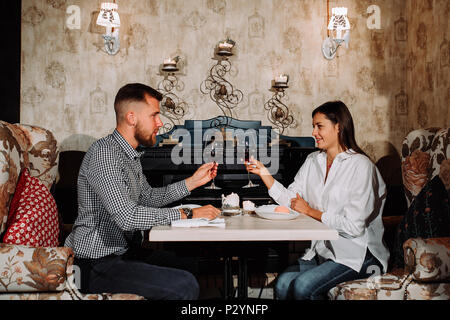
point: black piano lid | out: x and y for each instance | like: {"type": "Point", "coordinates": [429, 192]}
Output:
{"type": "Point", "coordinates": [229, 123]}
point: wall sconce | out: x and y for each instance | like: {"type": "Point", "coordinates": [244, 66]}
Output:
{"type": "Point", "coordinates": [172, 106]}
{"type": "Point", "coordinates": [278, 113]}
{"type": "Point", "coordinates": [220, 90]}
{"type": "Point", "coordinates": [338, 23]}
{"type": "Point", "coordinates": [109, 18]}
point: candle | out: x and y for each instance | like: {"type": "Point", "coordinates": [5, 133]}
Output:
{"type": "Point", "coordinates": [169, 62]}
{"type": "Point", "coordinates": [225, 46]}
{"type": "Point", "coordinates": [282, 79]}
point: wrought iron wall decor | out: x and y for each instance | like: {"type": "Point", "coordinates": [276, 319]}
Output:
{"type": "Point", "coordinates": [278, 112]}
{"type": "Point", "coordinates": [172, 107]}
{"type": "Point", "coordinates": [220, 90]}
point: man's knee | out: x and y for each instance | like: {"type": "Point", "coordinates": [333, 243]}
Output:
{"type": "Point", "coordinates": [187, 286]}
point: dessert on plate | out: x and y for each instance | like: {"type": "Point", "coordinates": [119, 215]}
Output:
{"type": "Point", "coordinates": [230, 204]}
{"type": "Point", "coordinates": [281, 209]}
{"type": "Point", "coordinates": [248, 207]}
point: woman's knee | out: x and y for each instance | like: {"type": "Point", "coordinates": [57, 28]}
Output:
{"type": "Point", "coordinates": [282, 286]}
{"type": "Point", "coordinates": [305, 289]}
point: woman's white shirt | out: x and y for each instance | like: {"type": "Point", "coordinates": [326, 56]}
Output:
{"type": "Point", "coordinates": [351, 200]}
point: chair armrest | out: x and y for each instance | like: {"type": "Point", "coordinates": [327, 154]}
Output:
{"type": "Point", "coordinates": [427, 259]}
{"type": "Point", "coordinates": [27, 269]}
{"type": "Point", "coordinates": [388, 286]}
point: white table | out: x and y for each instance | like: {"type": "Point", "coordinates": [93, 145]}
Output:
{"type": "Point", "coordinates": [247, 228]}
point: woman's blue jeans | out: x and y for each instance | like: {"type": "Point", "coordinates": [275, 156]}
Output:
{"type": "Point", "coordinates": [309, 280]}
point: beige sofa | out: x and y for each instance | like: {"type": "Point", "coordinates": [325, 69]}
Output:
{"type": "Point", "coordinates": [26, 272]}
{"type": "Point", "coordinates": [426, 275]}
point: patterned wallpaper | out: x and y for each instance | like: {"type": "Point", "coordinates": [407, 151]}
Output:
{"type": "Point", "coordinates": [428, 63]}
{"type": "Point", "coordinates": [393, 77]}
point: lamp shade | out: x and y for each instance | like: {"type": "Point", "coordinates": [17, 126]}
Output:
{"type": "Point", "coordinates": [109, 15]}
{"type": "Point", "coordinates": [339, 20]}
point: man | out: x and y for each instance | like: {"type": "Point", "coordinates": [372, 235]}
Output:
{"type": "Point", "coordinates": [116, 203]}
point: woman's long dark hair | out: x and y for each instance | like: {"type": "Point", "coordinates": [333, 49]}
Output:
{"type": "Point", "coordinates": [337, 112]}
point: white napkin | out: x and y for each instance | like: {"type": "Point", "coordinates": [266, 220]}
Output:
{"type": "Point", "coordinates": [198, 222]}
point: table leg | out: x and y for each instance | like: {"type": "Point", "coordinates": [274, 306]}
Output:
{"type": "Point", "coordinates": [242, 278]}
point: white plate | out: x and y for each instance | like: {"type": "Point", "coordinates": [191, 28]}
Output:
{"type": "Point", "coordinates": [267, 212]}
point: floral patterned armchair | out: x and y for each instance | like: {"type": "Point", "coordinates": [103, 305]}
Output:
{"type": "Point", "coordinates": [28, 273]}
{"type": "Point", "coordinates": [426, 273]}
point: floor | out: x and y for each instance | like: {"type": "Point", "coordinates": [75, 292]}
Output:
{"type": "Point", "coordinates": [260, 286]}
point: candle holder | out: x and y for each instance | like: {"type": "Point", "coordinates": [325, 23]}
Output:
{"type": "Point", "coordinates": [224, 48]}
{"type": "Point", "coordinates": [220, 90]}
{"type": "Point", "coordinates": [170, 65]}
{"type": "Point", "coordinates": [278, 112]}
{"type": "Point", "coordinates": [281, 82]}
{"type": "Point", "coordinates": [172, 106]}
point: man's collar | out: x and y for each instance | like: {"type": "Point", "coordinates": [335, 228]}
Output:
{"type": "Point", "coordinates": [127, 148]}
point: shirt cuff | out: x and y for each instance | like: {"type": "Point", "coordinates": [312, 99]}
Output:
{"type": "Point", "coordinates": [174, 214]}
{"type": "Point", "coordinates": [276, 190]}
{"type": "Point", "coordinates": [326, 219]}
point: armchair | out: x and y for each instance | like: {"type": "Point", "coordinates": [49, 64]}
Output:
{"type": "Point", "coordinates": [426, 272]}
{"type": "Point", "coordinates": [34, 273]}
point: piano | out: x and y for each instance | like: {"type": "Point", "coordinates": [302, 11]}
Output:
{"type": "Point", "coordinates": [285, 155]}
{"type": "Point", "coordinates": [179, 152]}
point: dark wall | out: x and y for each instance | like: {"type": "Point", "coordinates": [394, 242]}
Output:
{"type": "Point", "coordinates": [10, 60]}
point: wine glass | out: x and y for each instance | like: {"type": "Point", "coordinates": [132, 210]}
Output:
{"type": "Point", "coordinates": [212, 186]}
{"type": "Point", "coordinates": [250, 184]}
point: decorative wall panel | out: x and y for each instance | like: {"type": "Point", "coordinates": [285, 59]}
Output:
{"type": "Point", "coordinates": [394, 77]}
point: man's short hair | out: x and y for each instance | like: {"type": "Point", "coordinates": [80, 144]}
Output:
{"type": "Point", "coordinates": [133, 92]}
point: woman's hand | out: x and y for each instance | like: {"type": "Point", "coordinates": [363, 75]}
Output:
{"type": "Point", "coordinates": [300, 205]}
{"type": "Point", "coordinates": [256, 167]}
{"type": "Point", "coordinates": [202, 175]}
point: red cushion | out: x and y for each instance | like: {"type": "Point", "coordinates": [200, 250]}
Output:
{"type": "Point", "coordinates": [33, 216]}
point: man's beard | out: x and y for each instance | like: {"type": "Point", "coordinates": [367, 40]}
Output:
{"type": "Point", "coordinates": [141, 138]}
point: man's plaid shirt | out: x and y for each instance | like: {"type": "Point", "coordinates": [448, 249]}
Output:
{"type": "Point", "coordinates": [115, 199]}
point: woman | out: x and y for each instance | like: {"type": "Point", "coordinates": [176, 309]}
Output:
{"type": "Point", "coordinates": [341, 187]}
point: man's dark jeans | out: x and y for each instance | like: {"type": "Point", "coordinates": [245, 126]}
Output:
{"type": "Point", "coordinates": [155, 275]}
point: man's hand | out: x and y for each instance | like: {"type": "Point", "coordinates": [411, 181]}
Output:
{"type": "Point", "coordinates": [207, 211]}
{"type": "Point", "coordinates": [203, 175]}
